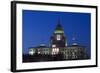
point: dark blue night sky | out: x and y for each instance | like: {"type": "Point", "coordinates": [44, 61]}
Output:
{"type": "Point", "coordinates": [38, 26]}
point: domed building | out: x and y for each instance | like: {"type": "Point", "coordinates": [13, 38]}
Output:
{"type": "Point", "coordinates": [59, 47]}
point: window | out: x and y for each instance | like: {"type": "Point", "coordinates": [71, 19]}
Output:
{"type": "Point", "coordinates": [58, 37]}
{"type": "Point", "coordinates": [53, 45]}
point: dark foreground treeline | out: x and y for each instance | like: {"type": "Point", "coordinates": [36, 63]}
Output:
{"type": "Point", "coordinates": [43, 58]}
{"type": "Point", "coordinates": [39, 58]}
